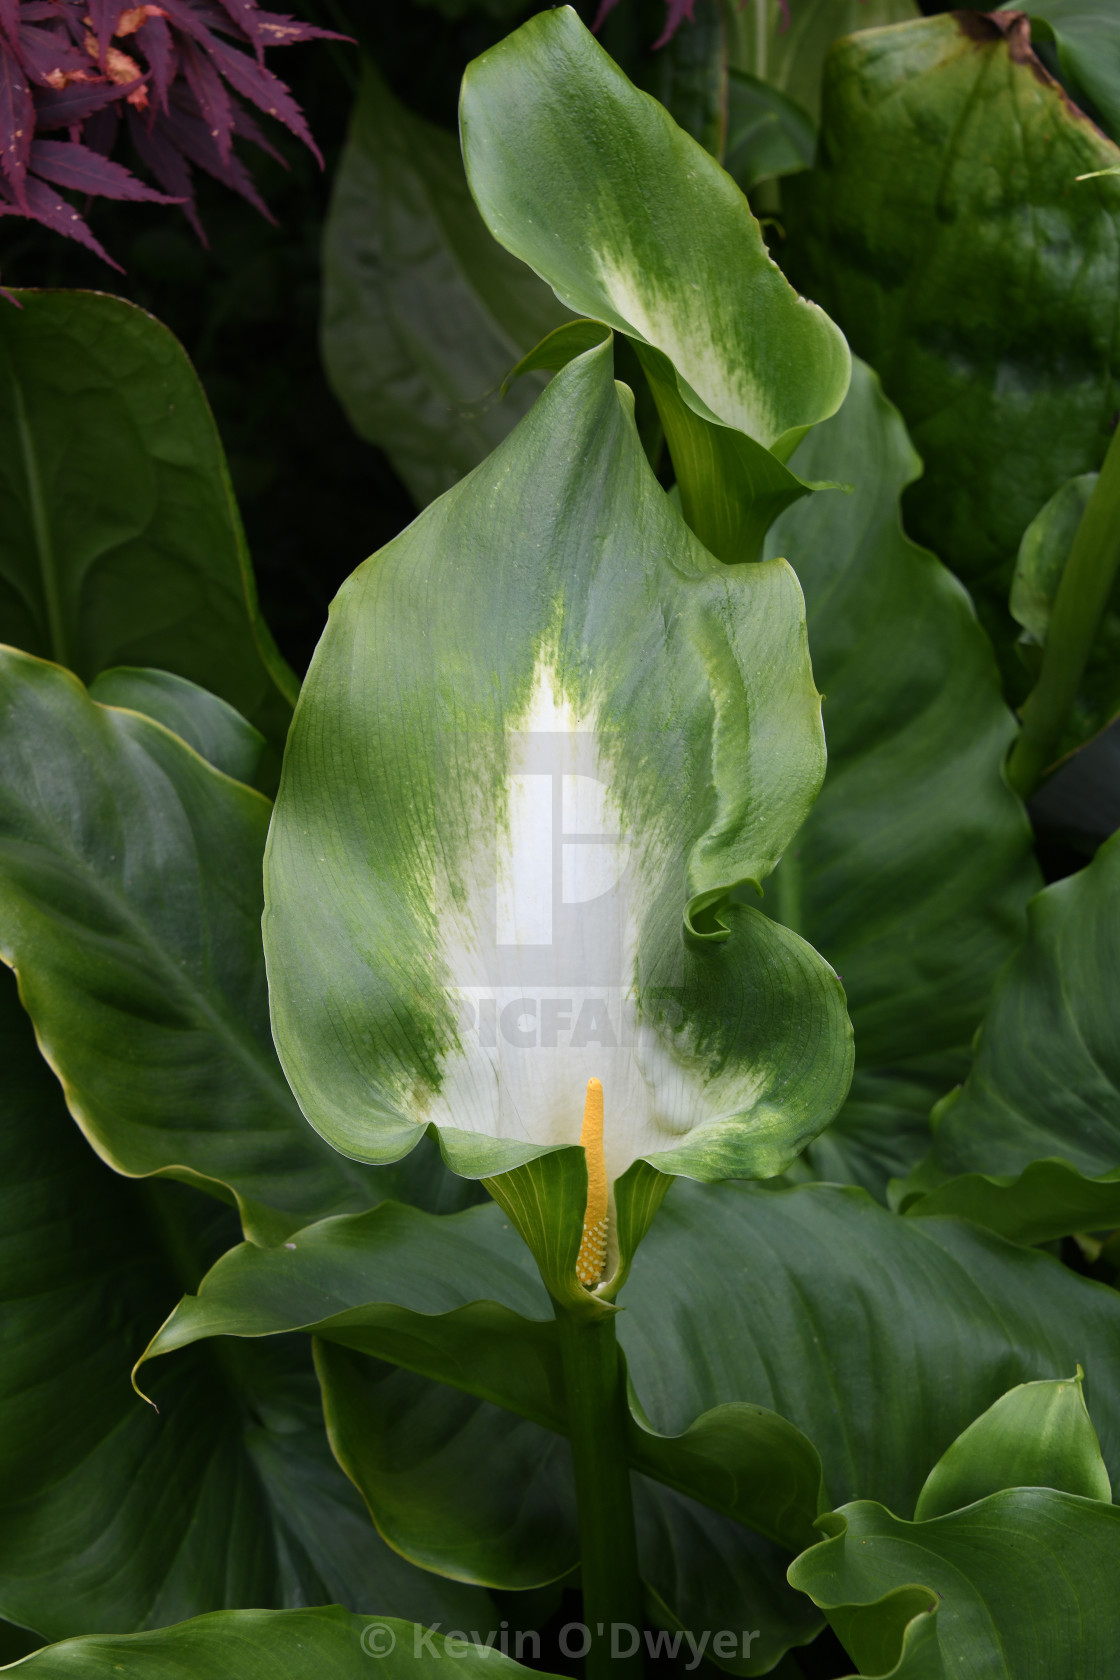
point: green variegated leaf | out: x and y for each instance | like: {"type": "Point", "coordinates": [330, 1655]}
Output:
{"type": "Point", "coordinates": [1031, 1142]}
{"type": "Point", "coordinates": [130, 897]}
{"type": "Point", "coordinates": [1021, 1586]}
{"type": "Point", "coordinates": [592, 184]}
{"type": "Point", "coordinates": [543, 738]}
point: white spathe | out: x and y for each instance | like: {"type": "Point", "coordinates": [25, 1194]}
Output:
{"type": "Point", "coordinates": [542, 959]}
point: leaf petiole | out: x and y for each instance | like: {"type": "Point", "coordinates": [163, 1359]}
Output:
{"type": "Point", "coordinates": [1079, 604]}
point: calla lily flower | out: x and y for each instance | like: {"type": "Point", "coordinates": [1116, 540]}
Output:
{"type": "Point", "coordinates": [545, 749]}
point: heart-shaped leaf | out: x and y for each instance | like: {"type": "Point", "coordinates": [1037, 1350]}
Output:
{"type": "Point", "coordinates": [544, 737]}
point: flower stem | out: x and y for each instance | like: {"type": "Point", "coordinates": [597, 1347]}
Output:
{"type": "Point", "coordinates": [1079, 605]}
{"type": "Point", "coordinates": [595, 1386]}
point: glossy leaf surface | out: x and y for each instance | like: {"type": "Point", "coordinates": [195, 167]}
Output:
{"type": "Point", "coordinates": [607, 731]}
{"type": "Point", "coordinates": [216, 732]}
{"type": "Point", "coordinates": [130, 897]}
{"type": "Point", "coordinates": [1031, 1141]}
{"type": "Point", "coordinates": [326, 1644]}
{"type": "Point", "coordinates": [424, 313]}
{"type": "Point", "coordinates": [120, 540]}
{"type": "Point", "coordinates": [1036, 1435]}
{"type": "Point", "coordinates": [913, 869]}
{"type": "Point", "coordinates": [945, 148]}
{"type": "Point", "coordinates": [743, 1303]}
{"type": "Point", "coordinates": [113, 1516]}
{"type": "Point", "coordinates": [1021, 1586]}
{"type": "Point", "coordinates": [636, 209]}
{"type": "Point", "coordinates": [1086, 34]}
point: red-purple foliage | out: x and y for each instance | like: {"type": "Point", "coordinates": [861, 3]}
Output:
{"type": "Point", "coordinates": [178, 81]}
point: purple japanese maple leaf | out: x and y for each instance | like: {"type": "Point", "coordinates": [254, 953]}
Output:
{"type": "Point", "coordinates": [182, 72]}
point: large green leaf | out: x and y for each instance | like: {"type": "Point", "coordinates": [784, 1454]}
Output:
{"type": "Point", "coordinates": [810, 1300]}
{"type": "Point", "coordinates": [743, 1303]}
{"type": "Point", "coordinates": [912, 871]}
{"type": "Point", "coordinates": [120, 540]}
{"type": "Point", "coordinates": [114, 1517]}
{"type": "Point", "coordinates": [423, 312]}
{"type": "Point", "coordinates": [451, 944]}
{"type": "Point", "coordinates": [946, 188]}
{"type": "Point", "coordinates": [454, 1483]}
{"type": "Point", "coordinates": [592, 184]}
{"type": "Point", "coordinates": [458, 1299]}
{"type": "Point", "coordinates": [1031, 1142]}
{"type": "Point", "coordinates": [322, 1644]}
{"type": "Point", "coordinates": [130, 898]}
{"type": "Point", "coordinates": [1022, 1585]}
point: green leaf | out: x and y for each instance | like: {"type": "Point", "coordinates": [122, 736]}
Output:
{"type": "Point", "coordinates": [767, 134]}
{"type": "Point", "coordinates": [1022, 1586]}
{"type": "Point", "coordinates": [1043, 553]}
{"type": "Point", "coordinates": [321, 1644]}
{"type": "Point", "coordinates": [804, 1300]}
{"type": "Point", "coordinates": [745, 1308]}
{"type": "Point", "coordinates": [602, 653]}
{"type": "Point", "coordinates": [423, 313]}
{"type": "Point", "coordinates": [688, 72]}
{"type": "Point", "coordinates": [1031, 1142]}
{"type": "Point", "coordinates": [883, 1130]}
{"type": "Point", "coordinates": [130, 898]}
{"type": "Point", "coordinates": [114, 1517]}
{"type": "Point", "coordinates": [216, 732]}
{"type": "Point", "coordinates": [452, 1483]}
{"type": "Point", "coordinates": [461, 1487]}
{"type": "Point", "coordinates": [755, 1322]}
{"type": "Point", "coordinates": [1036, 1435]}
{"type": "Point", "coordinates": [635, 210]}
{"type": "Point", "coordinates": [912, 871]}
{"type": "Point", "coordinates": [120, 540]}
{"type": "Point", "coordinates": [1087, 36]}
{"type": "Point", "coordinates": [786, 46]}
{"type": "Point", "coordinates": [944, 149]}
{"type": "Point", "coordinates": [458, 1299]}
